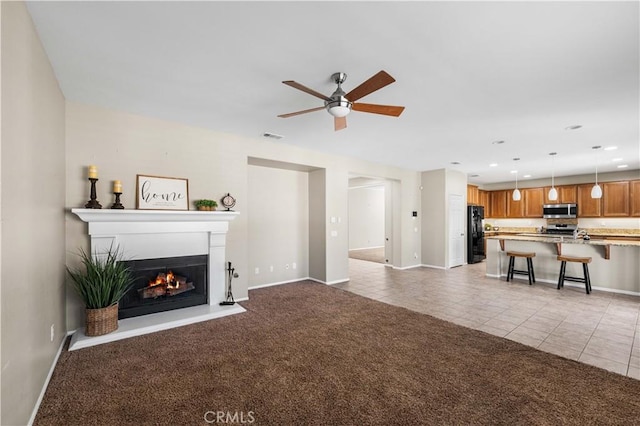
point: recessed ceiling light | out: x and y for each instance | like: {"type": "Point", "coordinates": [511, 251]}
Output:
{"type": "Point", "coordinates": [611, 148]}
{"type": "Point", "coordinates": [616, 160]}
{"type": "Point", "coordinates": [573, 127]}
{"type": "Point", "coordinates": [526, 176]}
{"type": "Point", "coordinates": [497, 142]}
{"type": "Point", "coordinates": [513, 171]}
{"type": "Point", "coordinates": [623, 166]}
{"type": "Point", "coordinates": [493, 165]}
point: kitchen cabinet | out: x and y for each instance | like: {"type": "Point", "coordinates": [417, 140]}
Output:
{"type": "Point", "coordinates": [566, 194]}
{"type": "Point", "coordinates": [484, 201]}
{"type": "Point", "coordinates": [498, 203]}
{"type": "Point", "coordinates": [615, 199]}
{"type": "Point", "coordinates": [587, 206]}
{"type": "Point", "coordinates": [473, 196]}
{"type": "Point", "coordinates": [634, 197]}
{"type": "Point", "coordinates": [514, 208]}
{"type": "Point", "coordinates": [533, 201]}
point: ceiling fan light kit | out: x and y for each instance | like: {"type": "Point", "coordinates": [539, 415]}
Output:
{"type": "Point", "coordinates": [340, 104]}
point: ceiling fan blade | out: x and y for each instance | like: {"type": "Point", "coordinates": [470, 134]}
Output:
{"type": "Point", "coordinates": [291, 114]}
{"type": "Point", "coordinates": [340, 123]}
{"type": "Point", "coordinates": [306, 90]}
{"type": "Point", "coordinates": [376, 82]}
{"type": "Point", "coordinates": [378, 109]}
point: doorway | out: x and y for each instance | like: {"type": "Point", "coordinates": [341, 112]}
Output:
{"type": "Point", "coordinates": [371, 219]}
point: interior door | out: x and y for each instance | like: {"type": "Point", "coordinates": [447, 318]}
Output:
{"type": "Point", "coordinates": [456, 230]}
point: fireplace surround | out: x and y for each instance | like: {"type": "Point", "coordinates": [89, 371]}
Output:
{"type": "Point", "coordinates": [159, 234]}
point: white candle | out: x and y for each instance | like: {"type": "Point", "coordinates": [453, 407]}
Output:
{"type": "Point", "coordinates": [93, 172]}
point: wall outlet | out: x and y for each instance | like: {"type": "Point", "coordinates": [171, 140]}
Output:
{"type": "Point", "coordinates": [257, 271]}
{"type": "Point", "coordinates": [415, 255]}
{"type": "Point", "coordinates": [286, 266]}
{"type": "Point", "coordinates": [293, 265]}
{"type": "Point", "coordinates": [271, 268]}
{"type": "Point", "coordinates": [53, 331]}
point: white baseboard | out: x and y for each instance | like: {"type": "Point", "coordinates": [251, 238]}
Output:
{"type": "Point", "coordinates": [433, 266]}
{"type": "Point", "coordinates": [279, 283]}
{"type": "Point", "coordinates": [46, 382]}
{"type": "Point", "coordinates": [366, 248]}
{"type": "Point", "coordinates": [402, 268]}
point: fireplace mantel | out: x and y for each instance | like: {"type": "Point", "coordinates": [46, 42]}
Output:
{"type": "Point", "coordinates": [148, 234]}
{"type": "Point", "coordinates": [113, 215]}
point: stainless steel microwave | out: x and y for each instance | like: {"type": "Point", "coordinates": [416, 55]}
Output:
{"type": "Point", "coordinates": [559, 211]}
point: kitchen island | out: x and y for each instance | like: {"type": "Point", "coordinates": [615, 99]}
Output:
{"type": "Point", "coordinates": [615, 264]}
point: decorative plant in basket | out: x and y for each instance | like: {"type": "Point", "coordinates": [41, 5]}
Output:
{"type": "Point", "coordinates": [101, 282]}
{"type": "Point", "coordinates": [206, 204]}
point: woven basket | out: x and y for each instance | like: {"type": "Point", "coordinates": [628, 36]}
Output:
{"type": "Point", "coordinates": [101, 321]}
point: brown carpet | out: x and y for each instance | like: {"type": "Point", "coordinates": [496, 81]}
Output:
{"type": "Point", "coordinates": [309, 354]}
{"type": "Point", "coordinates": [371, 255]}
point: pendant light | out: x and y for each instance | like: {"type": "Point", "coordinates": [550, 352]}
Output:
{"type": "Point", "coordinates": [516, 193]}
{"type": "Point", "coordinates": [553, 193]}
{"type": "Point", "coordinates": [596, 191]}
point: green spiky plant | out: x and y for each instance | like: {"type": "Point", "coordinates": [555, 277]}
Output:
{"type": "Point", "coordinates": [102, 281]}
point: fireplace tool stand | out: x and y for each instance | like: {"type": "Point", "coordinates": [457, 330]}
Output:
{"type": "Point", "coordinates": [231, 272]}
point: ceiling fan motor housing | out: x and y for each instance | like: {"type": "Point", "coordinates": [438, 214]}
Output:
{"type": "Point", "coordinates": [339, 105]}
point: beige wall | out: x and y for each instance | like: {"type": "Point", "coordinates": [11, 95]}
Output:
{"type": "Point", "coordinates": [437, 185]}
{"type": "Point", "coordinates": [278, 211]}
{"type": "Point", "coordinates": [434, 232]}
{"type": "Point", "coordinates": [122, 145]}
{"type": "Point", "coordinates": [33, 190]}
{"type": "Point", "coordinates": [366, 217]}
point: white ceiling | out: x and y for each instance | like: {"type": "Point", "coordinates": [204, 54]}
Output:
{"type": "Point", "coordinates": [468, 73]}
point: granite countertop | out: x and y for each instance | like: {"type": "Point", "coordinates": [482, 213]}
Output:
{"type": "Point", "coordinates": [592, 232]}
{"type": "Point", "coordinates": [555, 239]}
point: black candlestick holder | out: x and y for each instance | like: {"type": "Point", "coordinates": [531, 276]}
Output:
{"type": "Point", "coordinates": [117, 204]}
{"type": "Point", "coordinates": [93, 203]}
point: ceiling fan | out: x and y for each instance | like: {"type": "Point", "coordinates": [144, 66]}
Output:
{"type": "Point", "coordinates": [339, 104]}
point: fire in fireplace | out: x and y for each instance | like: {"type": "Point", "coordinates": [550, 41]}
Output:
{"type": "Point", "coordinates": [165, 284]}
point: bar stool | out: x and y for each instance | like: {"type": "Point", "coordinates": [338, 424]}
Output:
{"type": "Point", "coordinates": [529, 272]}
{"type": "Point", "coordinates": [585, 269]}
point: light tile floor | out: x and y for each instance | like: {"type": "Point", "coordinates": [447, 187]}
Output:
{"type": "Point", "coordinates": [601, 329]}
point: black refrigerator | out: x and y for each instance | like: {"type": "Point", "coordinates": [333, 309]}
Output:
{"type": "Point", "coordinates": [475, 234]}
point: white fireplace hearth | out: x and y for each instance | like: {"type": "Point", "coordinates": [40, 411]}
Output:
{"type": "Point", "coordinates": [149, 234]}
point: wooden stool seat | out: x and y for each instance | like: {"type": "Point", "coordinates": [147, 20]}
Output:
{"type": "Point", "coordinates": [529, 272]}
{"type": "Point", "coordinates": [574, 259]}
{"type": "Point", "coordinates": [520, 254]}
{"type": "Point", "coordinates": [585, 270]}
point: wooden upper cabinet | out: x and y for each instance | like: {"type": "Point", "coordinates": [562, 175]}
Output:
{"type": "Point", "coordinates": [619, 199]}
{"type": "Point", "coordinates": [587, 206]}
{"type": "Point", "coordinates": [473, 195]}
{"type": "Point", "coordinates": [484, 200]}
{"type": "Point", "coordinates": [566, 194]}
{"type": "Point", "coordinates": [498, 203]}
{"type": "Point", "coordinates": [533, 200]}
{"type": "Point", "coordinates": [634, 197]}
{"type": "Point", "coordinates": [615, 199]}
{"type": "Point", "coordinates": [515, 208]}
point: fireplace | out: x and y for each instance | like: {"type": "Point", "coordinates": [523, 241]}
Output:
{"type": "Point", "coordinates": [164, 284]}
{"type": "Point", "coordinates": [190, 244]}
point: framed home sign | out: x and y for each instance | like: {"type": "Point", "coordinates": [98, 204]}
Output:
{"type": "Point", "coordinates": [161, 193]}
